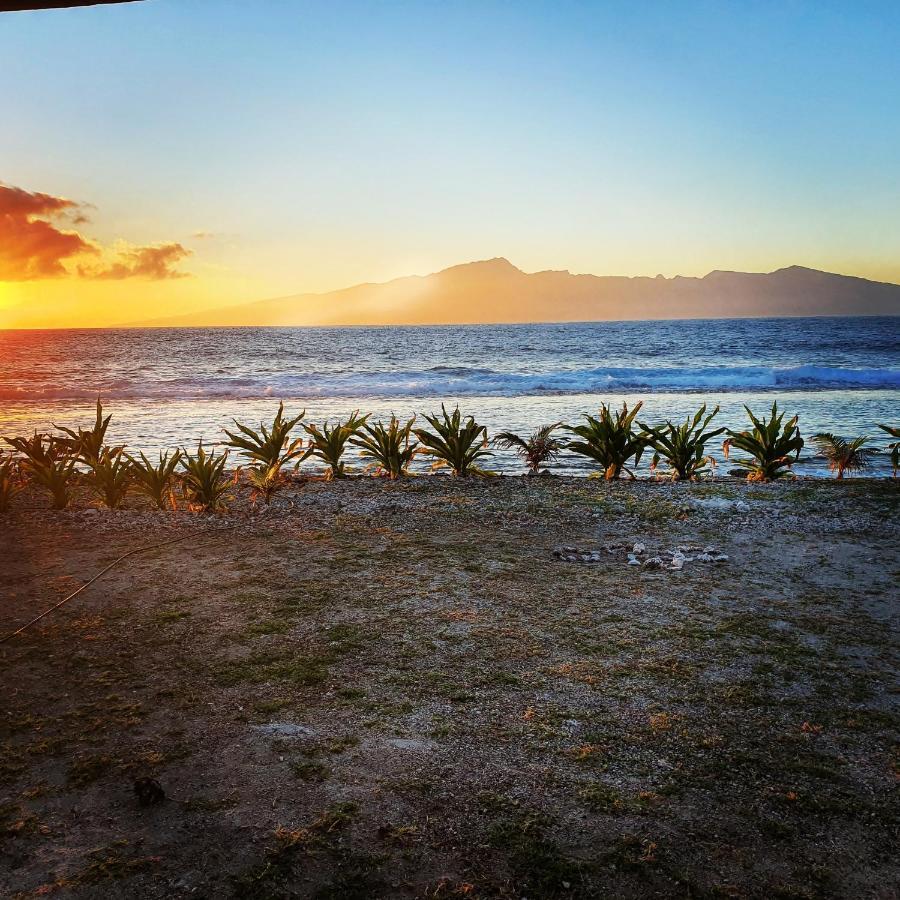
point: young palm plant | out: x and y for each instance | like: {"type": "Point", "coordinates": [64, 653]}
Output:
{"type": "Point", "coordinates": [538, 449]}
{"type": "Point", "coordinates": [329, 442]}
{"type": "Point", "coordinates": [10, 481]}
{"type": "Point", "coordinates": [894, 448]}
{"type": "Point", "coordinates": [110, 476]}
{"type": "Point", "coordinates": [156, 481]}
{"type": "Point", "coordinates": [48, 463]}
{"type": "Point", "coordinates": [269, 449]}
{"type": "Point", "coordinates": [389, 447]}
{"type": "Point", "coordinates": [610, 440]}
{"type": "Point", "coordinates": [772, 446]}
{"type": "Point", "coordinates": [204, 479]}
{"type": "Point", "coordinates": [86, 444]}
{"type": "Point", "coordinates": [843, 455]}
{"type": "Point", "coordinates": [683, 446]}
{"type": "Point", "coordinates": [455, 443]}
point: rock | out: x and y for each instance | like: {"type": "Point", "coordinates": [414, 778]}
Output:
{"type": "Point", "coordinates": [632, 561]}
{"type": "Point", "coordinates": [410, 744]}
{"type": "Point", "coordinates": [705, 557]}
{"type": "Point", "coordinates": [637, 549]}
{"type": "Point", "coordinates": [653, 562]}
{"type": "Point", "coordinates": [740, 506]}
{"type": "Point", "coordinates": [284, 729]}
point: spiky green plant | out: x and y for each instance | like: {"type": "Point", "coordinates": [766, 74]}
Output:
{"type": "Point", "coordinates": [894, 448]}
{"type": "Point", "coordinates": [844, 455]}
{"type": "Point", "coordinates": [156, 481]}
{"type": "Point", "coordinates": [772, 446]}
{"type": "Point", "coordinates": [110, 476]}
{"type": "Point", "coordinates": [610, 440]}
{"type": "Point", "coordinates": [536, 450]}
{"type": "Point", "coordinates": [204, 479]}
{"type": "Point", "coordinates": [456, 442]}
{"type": "Point", "coordinates": [683, 446]}
{"type": "Point", "coordinates": [10, 480]}
{"type": "Point", "coordinates": [270, 449]}
{"type": "Point", "coordinates": [49, 464]}
{"type": "Point", "coordinates": [329, 442]}
{"type": "Point", "coordinates": [86, 444]}
{"type": "Point", "coordinates": [389, 447]}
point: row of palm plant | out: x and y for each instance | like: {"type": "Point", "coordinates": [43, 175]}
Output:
{"type": "Point", "coordinates": [613, 439]}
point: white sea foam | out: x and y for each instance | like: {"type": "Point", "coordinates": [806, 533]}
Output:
{"type": "Point", "coordinates": [441, 381]}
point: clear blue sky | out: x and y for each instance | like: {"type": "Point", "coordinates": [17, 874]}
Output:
{"type": "Point", "coordinates": [325, 144]}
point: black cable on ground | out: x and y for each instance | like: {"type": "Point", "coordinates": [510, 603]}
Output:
{"type": "Point", "coordinates": [115, 562]}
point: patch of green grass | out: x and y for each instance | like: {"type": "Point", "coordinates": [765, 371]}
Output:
{"type": "Point", "coordinates": [168, 616]}
{"type": "Point", "coordinates": [86, 769]}
{"type": "Point", "coordinates": [268, 626]}
{"type": "Point", "coordinates": [109, 863]}
{"type": "Point", "coordinates": [308, 770]}
{"type": "Point", "coordinates": [273, 666]}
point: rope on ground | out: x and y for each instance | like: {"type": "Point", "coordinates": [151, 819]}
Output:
{"type": "Point", "coordinates": [115, 562]}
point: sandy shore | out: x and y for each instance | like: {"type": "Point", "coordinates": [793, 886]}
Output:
{"type": "Point", "coordinates": [450, 688]}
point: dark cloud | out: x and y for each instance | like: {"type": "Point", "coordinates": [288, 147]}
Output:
{"type": "Point", "coordinates": [32, 246]}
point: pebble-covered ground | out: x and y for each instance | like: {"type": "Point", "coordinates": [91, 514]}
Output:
{"type": "Point", "coordinates": [457, 688]}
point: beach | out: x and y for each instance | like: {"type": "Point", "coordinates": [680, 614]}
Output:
{"type": "Point", "coordinates": [446, 687]}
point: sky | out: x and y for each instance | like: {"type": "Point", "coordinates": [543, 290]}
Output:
{"type": "Point", "coordinates": [170, 156]}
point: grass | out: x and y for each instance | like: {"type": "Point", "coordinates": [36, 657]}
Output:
{"type": "Point", "coordinates": [607, 714]}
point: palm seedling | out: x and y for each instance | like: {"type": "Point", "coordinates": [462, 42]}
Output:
{"type": "Point", "coordinates": [538, 449]}
{"type": "Point", "coordinates": [456, 442]}
{"type": "Point", "coordinates": [48, 463]}
{"type": "Point", "coordinates": [10, 481]}
{"type": "Point", "coordinates": [86, 444]}
{"type": "Point", "coordinates": [772, 446]}
{"type": "Point", "coordinates": [329, 442]}
{"type": "Point", "coordinates": [610, 440]}
{"type": "Point", "coordinates": [389, 447]}
{"type": "Point", "coordinates": [843, 455]}
{"type": "Point", "coordinates": [894, 448]}
{"type": "Point", "coordinates": [682, 446]}
{"type": "Point", "coordinates": [110, 475]}
{"type": "Point", "coordinates": [156, 481]}
{"type": "Point", "coordinates": [269, 449]}
{"type": "Point", "coordinates": [204, 479]}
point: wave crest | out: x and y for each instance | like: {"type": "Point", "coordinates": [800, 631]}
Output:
{"type": "Point", "coordinates": [463, 382]}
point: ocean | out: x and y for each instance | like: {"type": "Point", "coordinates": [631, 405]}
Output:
{"type": "Point", "coordinates": [170, 387]}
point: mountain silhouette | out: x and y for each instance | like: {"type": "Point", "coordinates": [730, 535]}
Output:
{"type": "Point", "coordinates": [494, 290]}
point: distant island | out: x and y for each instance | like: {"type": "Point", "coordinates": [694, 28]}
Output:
{"type": "Point", "coordinates": [495, 290]}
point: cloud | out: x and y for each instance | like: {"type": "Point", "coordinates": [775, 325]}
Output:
{"type": "Point", "coordinates": [33, 245]}
{"type": "Point", "coordinates": [30, 246]}
{"type": "Point", "coordinates": [155, 263]}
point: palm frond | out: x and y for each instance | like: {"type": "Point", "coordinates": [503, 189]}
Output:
{"type": "Point", "coordinates": [455, 442]}
{"type": "Point", "coordinates": [610, 439]}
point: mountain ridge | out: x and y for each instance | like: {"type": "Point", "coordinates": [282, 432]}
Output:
{"type": "Point", "coordinates": [466, 292]}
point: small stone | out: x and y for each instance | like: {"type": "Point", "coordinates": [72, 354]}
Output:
{"type": "Point", "coordinates": [410, 744]}
{"type": "Point", "coordinates": [284, 729]}
{"type": "Point", "coordinates": [653, 562]}
{"type": "Point", "coordinates": [637, 549]}
{"type": "Point", "coordinates": [633, 562]}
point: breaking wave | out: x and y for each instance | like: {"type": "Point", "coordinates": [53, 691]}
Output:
{"type": "Point", "coordinates": [457, 381]}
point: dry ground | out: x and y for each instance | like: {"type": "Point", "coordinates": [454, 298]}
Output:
{"type": "Point", "coordinates": [397, 690]}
